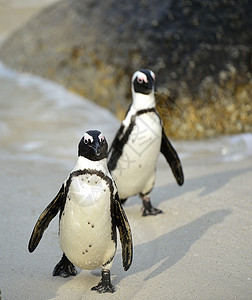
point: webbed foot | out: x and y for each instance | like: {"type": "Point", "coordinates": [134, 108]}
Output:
{"type": "Point", "coordinates": [151, 212]}
{"type": "Point", "coordinates": [104, 285]}
{"type": "Point", "coordinates": [148, 209]}
{"type": "Point", "coordinates": [64, 268]}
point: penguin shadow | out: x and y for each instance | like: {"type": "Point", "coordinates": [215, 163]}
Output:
{"type": "Point", "coordinates": [161, 253]}
{"type": "Point", "coordinates": [158, 255]}
{"type": "Point", "coordinates": [207, 184]}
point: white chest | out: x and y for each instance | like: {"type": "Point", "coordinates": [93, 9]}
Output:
{"type": "Point", "coordinates": [145, 138]}
{"type": "Point", "coordinates": [86, 224]}
{"type": "Point", "coordinates": [135, 171]}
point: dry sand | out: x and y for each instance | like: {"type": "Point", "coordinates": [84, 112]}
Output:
{"type": "Point", "coordinates": [199, 248]}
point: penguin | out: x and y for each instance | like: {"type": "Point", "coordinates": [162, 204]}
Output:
{"type": "Point", "coordinates": [89, 212]}
{"type": "Point", "coordinates": [135, 149]}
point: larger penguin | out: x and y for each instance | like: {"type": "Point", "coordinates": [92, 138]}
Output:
{"type": "Point", "coordinates": [90, 211]}
{"type": "Point", "coordinates": [134, 152]}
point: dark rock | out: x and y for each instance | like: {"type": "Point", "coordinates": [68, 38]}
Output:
{"type": "Point", "coordinates": [199, 50]}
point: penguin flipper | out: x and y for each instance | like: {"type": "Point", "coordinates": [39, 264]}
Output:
{"type": "Point", "coordinates": [172, 158]}
{"type": "Point", "coordinates": [115, 150]}
{"type": "Point", "coordinates": [125, 235]}
{"type": "Point", "coordinates": [45, 218]}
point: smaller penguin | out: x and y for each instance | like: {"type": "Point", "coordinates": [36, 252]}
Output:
{"type": "Point", "coordinates": [90, 211]}
{"type": "Point", "coordinates": [135, 149]}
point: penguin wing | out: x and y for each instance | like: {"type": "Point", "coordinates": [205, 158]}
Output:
{"type": "Point", "coordinates": [172, 158]}
{"type": "Point", "coordinates": [115, 150]}
{"type": "Point", "coordinates": [45, 218]}
{"type": "Point", "coordinates": [125, 234]}
{"type": "Point", "coordinates": [118, 143]}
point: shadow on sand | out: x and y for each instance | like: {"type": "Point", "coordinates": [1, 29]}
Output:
{"type": "Point", "coordinates": [169, 248]}
{"type": "Point", "coordinates": [207, 184]}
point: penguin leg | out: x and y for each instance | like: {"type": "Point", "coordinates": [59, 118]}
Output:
{"type": "Point", "coordinates": [147, 208]}
{"type": "Point", "coordinates": [104, 285]}
{"type": "Point", "coordinates": [64, 268]}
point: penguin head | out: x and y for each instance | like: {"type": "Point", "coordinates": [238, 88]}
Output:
{"type": "Point", "coordinates": [93, 146]}
{"type": "Point", "coordinates": [143, 82]}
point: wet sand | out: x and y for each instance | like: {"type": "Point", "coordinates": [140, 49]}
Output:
{"type": "Point", "coordinates": [14, 13]}
{"type": "Point", "coordinates": [199, 248]}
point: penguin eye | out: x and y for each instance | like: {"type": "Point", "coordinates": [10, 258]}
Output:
{"type": "Point", "coordinates": [87, 141]}
{"type": "Point", "coordinates": [101, 139]}
{"type": "Point", "coordinates": [142, 78]}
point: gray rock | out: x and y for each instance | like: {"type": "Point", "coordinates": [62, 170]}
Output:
{"type": "Point", "coordinates": [199, 50]}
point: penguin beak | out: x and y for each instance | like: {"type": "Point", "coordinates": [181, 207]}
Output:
{"type": "Point", "coordinates": [97, 152]}
{"type": "Point", "coordinates": [96, 148]}
{"type": "Point", "coordinates": [150, 86]}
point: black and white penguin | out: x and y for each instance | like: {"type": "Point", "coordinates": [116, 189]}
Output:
{"type": "Point", "coordinates": [90, 211]}
{"type": "Point", "coordinates": [135, 149]}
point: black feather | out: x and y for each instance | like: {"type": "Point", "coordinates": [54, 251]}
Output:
{"type": "Point", "coordinates": [125, 234]}
{"type": "Point", "coordinates": [45, 218]}
{"type": "Point", "coordinates": [172, 158]}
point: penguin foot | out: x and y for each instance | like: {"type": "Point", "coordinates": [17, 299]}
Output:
{"type": "Point", "coordinates": [104, 285]}
{"type": "Point", "coordinates": [148, 209]}
{"type": "Point", "coordinates": [151, 212]}
{"type": "Point", "coordinates": [64, 268]}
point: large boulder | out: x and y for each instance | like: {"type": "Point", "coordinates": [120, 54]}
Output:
{"type": "Point", "coordinates": [199, 50]}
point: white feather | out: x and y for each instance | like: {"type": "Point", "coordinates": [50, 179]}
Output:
{"type": "Point", "coordinates": [86, 224]}
{"type": "Point", "coordinates": [135, 171]}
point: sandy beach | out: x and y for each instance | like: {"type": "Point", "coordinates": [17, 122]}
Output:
{"type": "Point", "coordinates": [199, 248]}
